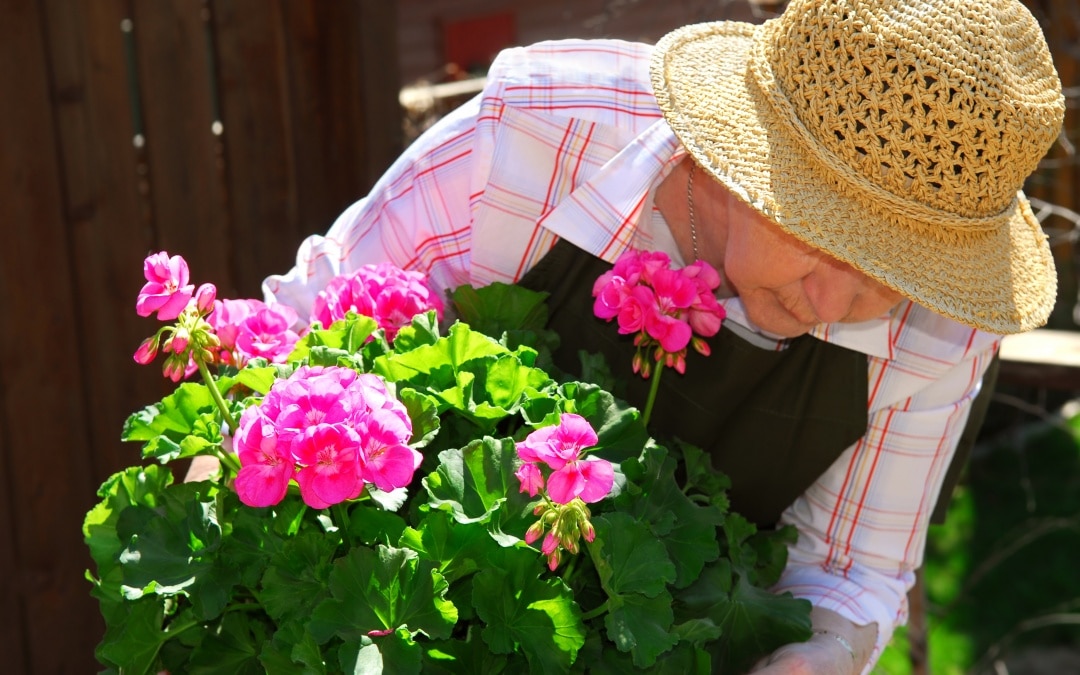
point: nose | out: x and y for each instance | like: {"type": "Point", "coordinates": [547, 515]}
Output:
{"type": "Point", "coordinates": [831, 289]}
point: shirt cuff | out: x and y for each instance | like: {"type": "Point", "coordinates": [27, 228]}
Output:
{"type": "Point", "coordinates": [860, 595]}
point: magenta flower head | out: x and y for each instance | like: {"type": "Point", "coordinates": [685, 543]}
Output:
{"type": "Point", "coordinates": [167, 290]}
{"type": "Point", "coordinates": [266, 466]}
{"type": "Point", "coordinates": [560, 448]}
{"type": "Point", "coordinates": [249, 329]}
{"type": "Point", "coordinates": [390, 295]}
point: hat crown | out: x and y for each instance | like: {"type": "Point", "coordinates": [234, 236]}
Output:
{"type": "Point", "coordinates": [949, 103]}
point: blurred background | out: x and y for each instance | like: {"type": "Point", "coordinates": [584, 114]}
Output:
{"type": "Point", "coordinates": [228, 130]}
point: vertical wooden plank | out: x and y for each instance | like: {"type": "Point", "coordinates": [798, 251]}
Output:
{"type": "Point", "coordinates": [189, 208]}
{"type": "Point", "coordinates": [104, 215]}
{"type": "Point", "coordinates": [260, 165]}
{"type": "Point", "coordinates": [321, 67]}
{"type": "Point", "coordinates": [379, 85]}
{"type": "Point", "coordinates": [47, 474]}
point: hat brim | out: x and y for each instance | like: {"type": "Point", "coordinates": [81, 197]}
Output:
{"type": "Point", "coordinates": [999, 278]}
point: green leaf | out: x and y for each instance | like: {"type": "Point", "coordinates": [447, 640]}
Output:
{"type": "Point", "coordinates": [422, 331]}
{"type": "Point", "coordinates": [628, 557]}
{"type": "Point", "coordinates": [132, 641]}
{"type": "Point", "coordinates": [296, 581]}
{"type": "Point", "coordinates": [423, 412]}
{"type": "Point", "coordinates": [472, 483]}
{"type": "Point", "coordinates": [180, 425]}
{"type": "Point", "coordinates": [459, 549]}
{"type": "Point", "coordinates": [497, 307]}
{"type": "Point", "coordinates": [167, 548]}
{"type": "Point", "coordinates": [466, 372]}
{"type": "Point", "coordinates": [232, 648]}
{"type": "Point", "coordinates": [383, 589]}
{"type": "Point", "coordinates": [641, 625]}
{"type": "Point", "coordinates": [258, 379]}
{"type": "Point", "coordinates": [390, 654]}
{"type": "Point", "coordinates": [133, 486]}
{"type": "Point", "coordinates": [292, 650]}
{"type": "Point", "coordinates": [458, 657]}
{"type": "Point", "coordinates": [520, 609]}
{"type": "Point", "coordinates": [753, 621]}
{"type": "Point", "coordinates": [687, 529]}
{"type": "Point", "coordinates": [375, 526]}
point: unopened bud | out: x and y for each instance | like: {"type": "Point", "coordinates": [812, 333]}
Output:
{"type": "Point", "coordinates": [588, 531]}
{"type": "Point", "coordinates": [174, 367]}
{"type": "Point", "coordinates": [701, 346]}
{"type": "Point", "coordinates": [550, 545]}
{"type": "Point", "coordinates": [534, 532]}
{"type": "Point", "coordinates": [204, 298]}
{"type": "Point", "coordinates": [178, 343]}
{"type": "Point", "coordinates": [147, 351]}
{"type": "Point", "coordinates": [554, 559]}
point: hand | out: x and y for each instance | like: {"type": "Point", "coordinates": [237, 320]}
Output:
{"type": "Point", "coordinates": [821, 655]}
{"type": "Point", "coordinates": [838, 647]}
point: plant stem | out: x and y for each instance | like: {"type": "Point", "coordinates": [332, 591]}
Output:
{"type": "Point", "coordinates": [652, 392]}
{"type": "Point", "coordinates": [212, 386]}
{"type": "Point", "coordinates": [595, 612]}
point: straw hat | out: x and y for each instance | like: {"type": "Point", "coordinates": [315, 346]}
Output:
{"type": "Point", "coordinates": [895, 135]}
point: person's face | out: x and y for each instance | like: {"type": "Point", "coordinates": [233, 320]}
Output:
{"type": "Point", "coordinates": [789, 287]}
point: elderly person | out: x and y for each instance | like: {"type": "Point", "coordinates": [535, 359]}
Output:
{"type": "Point", "coordinates": [852, 168]}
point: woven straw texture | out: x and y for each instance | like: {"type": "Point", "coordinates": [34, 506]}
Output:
{"type": "Point", "coordinates": [894, 135]}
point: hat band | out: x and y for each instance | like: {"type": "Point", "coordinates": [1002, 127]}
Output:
{"type": "Point", "coordinates": [761, 77]}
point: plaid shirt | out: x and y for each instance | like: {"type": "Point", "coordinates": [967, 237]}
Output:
{"type": "Point", "coordinates": [566, 141]}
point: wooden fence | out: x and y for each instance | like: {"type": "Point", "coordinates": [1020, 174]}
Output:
{"type": "Point", "coordinates": [225, 131]}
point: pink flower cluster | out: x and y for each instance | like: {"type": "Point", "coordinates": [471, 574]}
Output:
{"type": "Point", "coordinates": [332, 430]}
{"type": "Point", "coordinates": [168, 293]}
{"type": "Point", "coordinates": [249, 329]}
{"type": "Point", "coordinates": [384, 292]}
{"type": "Point", "coordinates": [662, 306]}
{"type": "Point", "coordinates": [573, 481]}
{"type": "Point", "coordinates": [559, 448]}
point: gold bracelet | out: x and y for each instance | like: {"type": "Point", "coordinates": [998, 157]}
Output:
{"type": "Point", "coordinates": [839, 638]}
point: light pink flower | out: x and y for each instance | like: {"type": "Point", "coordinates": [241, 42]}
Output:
{"type": "Point", "coordinates": [560, 448]}
{"type": "Point", "coordinates": [590, 479]}
{"type": "Point", "coordinates": [265, 465]}
{"type": "Point", "coordinates": [167, 290]}
{"type": "Point", "coordinates": [532, 481]}
{"type": "Point", "coordinates": [248, 329]}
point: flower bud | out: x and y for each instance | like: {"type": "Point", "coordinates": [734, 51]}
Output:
{"type": "Point", "coordinates": [588, 531]}
{"type": "Point", "coordinates": [701, 346]}
{"type": "Point", "coordinates": [554, 559]}
{"type": "Point", "coordinates": [147, 351]}
{"type": "Point", "coordinates": [174, 367]}
{"type": "Point", "coordinates": [550, 545]}
{"type": "Point", "coordinates": [178, 343]}
{"type": "Point", "coordinates": [534, 532]}
{"type": "Point", "coordinates": [204, 298]}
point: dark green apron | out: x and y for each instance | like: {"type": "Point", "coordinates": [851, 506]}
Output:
{"type": "Point", "coordinates": [773, 421]}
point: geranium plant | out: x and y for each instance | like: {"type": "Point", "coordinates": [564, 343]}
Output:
{"type": "Point", "coordinates": [392, 496]}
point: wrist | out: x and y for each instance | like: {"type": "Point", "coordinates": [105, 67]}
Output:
{"type": "Point", "coordinates": [837, 639]}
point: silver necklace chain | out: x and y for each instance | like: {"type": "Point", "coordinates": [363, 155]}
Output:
{"type": "Point", "coordinates": [690, 206]}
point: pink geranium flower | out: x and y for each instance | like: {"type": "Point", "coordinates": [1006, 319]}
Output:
{"type": "Point", "coordinates": [249, 329]}
{"type": "Point", "coordinates": [339, 430]}
{"type": "Point", "coordinates": [387, 462]}
{"type": "Point", "coordinates": [266, 465]}
{"type": "Point", "coordinates": [330, 469]}
{"type": "Point", "coordinates": [384, 292]}
{"type": "Point", "coordinates": [167, 290]}
{"type": "Point", "coordinates": [560, 447]}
